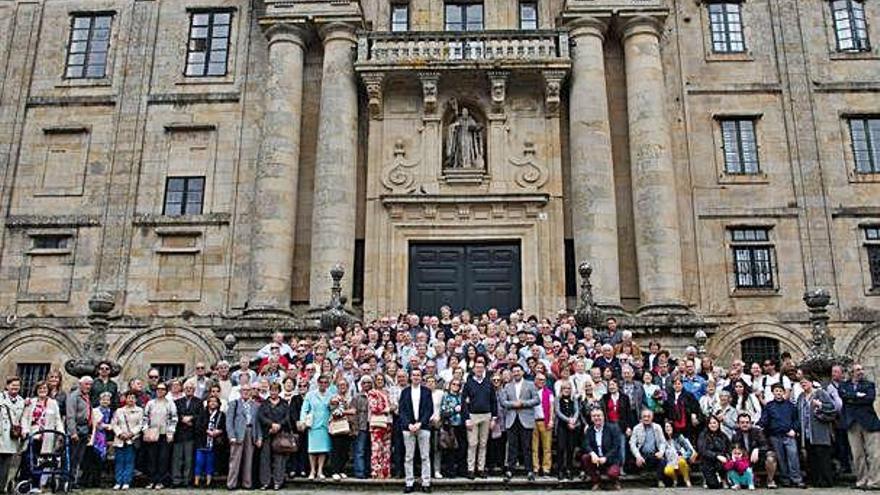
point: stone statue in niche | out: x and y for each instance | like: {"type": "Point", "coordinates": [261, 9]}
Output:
{"type": "Point", "coordinates": [465, 146]}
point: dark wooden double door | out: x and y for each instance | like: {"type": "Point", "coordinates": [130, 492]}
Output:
{"type": "Point", "coordinates": [474, 276]}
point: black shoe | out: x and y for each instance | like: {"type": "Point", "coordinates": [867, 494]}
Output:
{"type": "Point", "coordinates": [483, 475]}
{"type": "Point", "coordinates": [470, 475]}
{"type": "Point", "coordinates": [426, 488]}
{"type": "Point", "coordinates": [407, 489]}
{"type": "Point", "coordinates": [801, 485]}
{"type": "Point", "coordinates": [531, 476]}
{"type": "Point", "coordinates": [507, 476]}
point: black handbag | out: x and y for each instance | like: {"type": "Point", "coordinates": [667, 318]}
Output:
{"type": "Point", "coordinates": [448, 440]}
{"type": "Point", "coordinates": [285, 442]}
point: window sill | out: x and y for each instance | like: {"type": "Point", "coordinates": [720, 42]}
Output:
{"type": "Point", "coordinates": [103, 82]}
{"type": "Point", "coordinates": [869, 55]}
{"type": "Point", "coordinates": [745, 56]}
{"type": "Point", "coordinates": [745, 293]}
{"type": "Point", "coordinates": [205, 80]}
{"type": "Point", "coordinates": [868, 178]}
{"type": "Point", "coordinates": [759, 178]}
{"type": "Point", "coordinates": [149, 219]}
{"type": "Point", "coordinates": [49, 252]}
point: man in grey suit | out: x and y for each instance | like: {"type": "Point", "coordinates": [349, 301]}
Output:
{"type": "Point", "coordinates": [244, 435]}
{"type": "Point", "coordinates": [79, 424]}
{"type": "Point", "coordinates": [519, 399]}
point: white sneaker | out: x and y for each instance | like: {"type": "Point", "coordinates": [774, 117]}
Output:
{"type": "Point", "coordinates": [336, 477]}
{"type": "Point", "coordinates": [124, 487]}
{"type": "Point", "coordinates": [117, 486]}
{"type": "Point", "coordinates": [343, 476]}
{"type": "Point", "coordinates": [35, 490]}
{"type": "Point", "coordinates": [438, 475]}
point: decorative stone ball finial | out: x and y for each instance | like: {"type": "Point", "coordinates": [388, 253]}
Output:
{"type": "Point", "coordinates": [101, 303]}
{"type": "Point", "coordinates": [337, 272]}
{"type": "Point", "coordinates": [817, 298]}
{"type": "Point", "coordinates": [229, 342]}
{"type": "Point", "coordinates": [585, 270]}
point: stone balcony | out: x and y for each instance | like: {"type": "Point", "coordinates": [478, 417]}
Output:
{"type": "Point", "coordinates": [433, 50]}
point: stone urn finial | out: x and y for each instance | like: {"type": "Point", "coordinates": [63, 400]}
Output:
{"type": "Point", "coordinates": [586, 314]}
{"type": "Point", "coordinates": [335, 315]}
{"type": "Point", "coordinates": [229, 343]}
{"type": "Point", "coordinates": [821, 355]}
{"type": "Point", "coordinates": [95, 347]}
{"type": "Point", "coordinates": [700, 337]}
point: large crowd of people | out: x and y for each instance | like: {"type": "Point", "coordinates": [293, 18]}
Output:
{"type": "Point", "coordinates": [474, 396]}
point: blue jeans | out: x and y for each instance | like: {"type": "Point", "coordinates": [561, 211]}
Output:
{"type": "Point", "coordinates": [787, 454]}
{"type": "Point", "coordinates": [361, 452]}
{"type": "Point", "coordinates": [124, 464]}
{"type": "Point", "coordinates": [204, 462]}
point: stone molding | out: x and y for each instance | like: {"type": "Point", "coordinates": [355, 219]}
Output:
{"type": "Point", "coordinates": [51, 221]}
{"type": "Point", "coordinates": [641, 24]}
{"type": "Point", "coordinates": [498, 89]}
{"type": "Point", "coordinates": [430, 88]}
{"type": "Point", "coordinates": [374, 84]}
{"type": "Point", "coordinates": [587, 25]}
{"type": "Point", "coordinates": [192, 98]}
{"type": "Point", "coordinates": [287, 32]}
{"type": "Point", "coordinates": [153, 219]}
{"type": "Point", "coordinates": [553, 91]}
{"type": "Point", "coordinates": [338, 30]}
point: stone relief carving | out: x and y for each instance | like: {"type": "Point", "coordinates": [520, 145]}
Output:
{"type": "Point", "coordinates": [498, 82]}
{"type": "Point", "coordinates": [552, 91]}
{"type": "Point", "coordinates": [465, 146]}
{"type": "Point", "coordinates": [398, 176]}
{"type": "Point", "coordinates": [429, 91]}
{"type": "Point", "coordinates": [373, 83]}
{"type": "Point", "coordinates": [532, 174]}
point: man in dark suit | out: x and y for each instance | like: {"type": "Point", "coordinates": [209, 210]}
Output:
{"type": "Point", "coordinates": [519, 398]}
{"type": "Point", "coordinates": [415, 410]}
{"type": "Point", "coordinates": [863, 427]}
{"type": "Point", "coordinates": [601, 450]}
{"type": "Point", "coordinates": [189, 407]}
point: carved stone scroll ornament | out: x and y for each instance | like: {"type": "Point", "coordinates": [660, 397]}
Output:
{"type": "Point", "coordinates": [531, 174]}
{"type": "Point", "coordinates": [399, 176]}
{"type": "Point", "coordinates": [373, 83]}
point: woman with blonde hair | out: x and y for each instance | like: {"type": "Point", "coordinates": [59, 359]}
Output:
{"type": "Point", "coordinates": [42, 413]}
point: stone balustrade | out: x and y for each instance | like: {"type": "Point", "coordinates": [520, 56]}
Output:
{"type": "Point", "coordinates": [456, 49]}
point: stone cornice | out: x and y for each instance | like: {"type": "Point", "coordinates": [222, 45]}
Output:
{"type": "Point", "coordinates": [51, 221]}
{"type": "Point", "coordinates": [641, 24]}
{"type": "Point", "coordinates": [150, 219]}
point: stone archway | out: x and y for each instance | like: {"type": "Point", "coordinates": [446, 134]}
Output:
{"type": "Point", "coordinates": [37, 344]}
{"type": "Point", "coordinates": [726, 343]}
{"type": "Point", "coordinates": [167, 345]}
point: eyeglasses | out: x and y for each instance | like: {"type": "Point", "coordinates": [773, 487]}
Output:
{"type": "Point", "coordinates": [104, 368]}
{"type": "Point", "coordinates": [153, 377]}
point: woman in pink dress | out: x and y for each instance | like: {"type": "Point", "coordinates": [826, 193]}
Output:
{"type": "Point", "coordinates": [380, 429]}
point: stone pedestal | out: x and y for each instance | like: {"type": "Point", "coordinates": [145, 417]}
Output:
{"type": "Point", "coordinates": [333, 220]}
{"type": "Point", "coordinates": [592, 200]}
{"type": "Point", "coordinates": [658, 247]}
{"type": "Point", "coordinates": [277, 173]}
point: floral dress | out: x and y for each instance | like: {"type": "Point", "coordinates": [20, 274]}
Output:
{"type": "Point", "coordinates": [380, 438]}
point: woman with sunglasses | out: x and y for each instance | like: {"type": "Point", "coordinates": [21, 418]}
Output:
{"type": "Point", "coordinates": [160, 422]}
{"type": "Point", "coordinates": [455, 446]}
{"type": "Point", "coordinates": [315, 416]}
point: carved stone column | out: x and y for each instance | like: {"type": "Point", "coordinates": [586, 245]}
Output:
{"type": "Point", "coordinates": [277, 173]}
{"type": "Point", "coordinates": [658, 247]}
{"type": "Point", "coordinates": [592, 199]}
{"type": "Point", "coordinates": [333, 220]}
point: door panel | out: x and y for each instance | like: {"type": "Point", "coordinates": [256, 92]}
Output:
{"type": "Point", "coordinates": [472, 276]}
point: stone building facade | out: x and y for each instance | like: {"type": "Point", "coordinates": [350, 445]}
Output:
{"type": "Point", "coordinates": [204, 164]}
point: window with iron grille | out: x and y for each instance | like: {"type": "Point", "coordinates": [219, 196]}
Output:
{"type": "Point", "coordinates": [872, 244]}
{"type": "Point", "coordinates": [850, 26]}
{"type": "Point", "coordinates": [169, 371]}
{"type": "Point", "coordinates": [725, 22]}
{"type": "Point", "coordinates": [757, 349]}
{"type": "Point", "coordinates": [464, 16]}
{"type": "Point", "coordinates": [740, 146]}
{"type": "Point", "coordinates": [208, 50]}
{"type": "Point", "coordinates": [753, 263]}
{"type": "Point", "coordinates": [399, 17]}
{"type": "Point", "coordinates": [183, 195]}
{"type": "Point", "coordinates": [88, 46]}
{"type": "Point", "coordinates": [865, 135]}
{"type": "Point", "coordinates": [31, 374]}
{"type": "Point", "coordinates": [528, 15]}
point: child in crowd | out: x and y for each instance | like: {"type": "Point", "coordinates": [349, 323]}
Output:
{"type": "Point", "coordinates": [739, 472]}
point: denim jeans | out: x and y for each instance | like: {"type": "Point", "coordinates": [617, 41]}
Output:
{"type": "Point", "coordinates": [204, 462]}
{"type": "Point", "coordinates": [124, 464]}
{"type": "Point", "coordinates": [787, 454]}
{"type": "Point", "coordinates": [361, 452]}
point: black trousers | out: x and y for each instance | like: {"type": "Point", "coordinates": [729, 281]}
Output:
{"type": "Point", "coordinates": [713, 472]}
{"type": "Point", "coordinates": [340, 452]}
{"type": "Point", "coordinates": [519, 443]}
{"type": "Point", "coordinates": [159, 460]}
{"type": "Point", "coordinates": [820, 470]}
{"type": "Point", "coordinates": [496, 449]}
{"type": "Point", "coordinates": [565, 443]}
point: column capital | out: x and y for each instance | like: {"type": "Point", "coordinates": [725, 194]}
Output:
{"type": "Point", "coordinates": [287, 32]}
{"type": "Point", "coordinates": [587, 25]}
{"type": "Point", "coordinates": [641, 24]}
{"type": "Point", "coordinates": [338, 30]}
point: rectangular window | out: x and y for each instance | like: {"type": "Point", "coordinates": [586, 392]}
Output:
{"type": "Point", "coordinates": [464, 16]}
{"type": "Point", "coordinates": [872, 236]}
{"type": "Point", "coordinates": [208, 49]}
{"type": "Point", "coordinates": [740, 146]}
{"type": "Point", "coordinates": [50, 241]}
{"type": "Point", "coordinates": [865, 134]}
{"type": "Point", "coordinates": [528, 15]}
{"type": "Point", "coordinates": [850, 27]}
{"type": "Point", "coordinates": [31, 374]}
{"type": "Point", "coordinates": [88, 46]}
{"type": "Point", "coordinates": [725, 21]}
{"type": "Point", "coordinates": [753, 263]}
{"type": "Point", "coordinates": [399, 18]}
{"type": "Point", "coordinates": [169, 371]}
{"type": "Point", "coordinates": [183, 195]}
{"type": "Point", "coordinates": [571, 282]}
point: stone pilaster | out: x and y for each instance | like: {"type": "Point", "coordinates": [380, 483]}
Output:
{"type": "Point", "coordinates": [333, 220]}
{"type": "Point", "coordinates": [277, 172]}
{"type": "Point", "coordinates": [593, 203]}
{"type": "Point", "coordinates": [658, 247]}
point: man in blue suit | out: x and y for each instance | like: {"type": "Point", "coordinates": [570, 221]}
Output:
{"type": "Point", "coordinates": [415, 411]}
{"type": "Point", "coordinates": [863, 427]}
